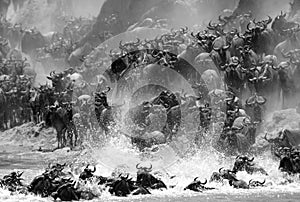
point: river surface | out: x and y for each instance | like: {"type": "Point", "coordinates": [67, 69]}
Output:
{"type": "Point", "coordinates": [19, 152]}
{"type": "Point", "coordinates": [33, 163]}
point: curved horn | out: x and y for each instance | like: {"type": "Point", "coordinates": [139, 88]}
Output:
{"type": "Point", "coordinates": [137, 166]}
{"type": "Point", "coordinates": [262, 182]}
{"type": "Point", "coordinates": [196, 179]}
{"type": "Point", "coordinates": [248, 27]}
{"type": "Point", "coordinates": [210, 26]}
{"type": "Point", "coordinates": [150, 167]}
{"type": "Point", "coordinates": [226, 47]}
{"type": "Point", "coordinates": [220, 169]}
{"type": "Point", "coordinates": [250, 160]}
{"type": "Point", "coordinates": [111, 54]}
{"type": "Point", "coordinates": [250, 181]}
{"type": "Point", "coordinates": [203, 182]}
{"type": "Point", "coordinates": [269, 20]}
{"type": "Point", "coordinates": [87, 166]}
{"type": "Point", "coordinates": [107, 89]}
{"type": "Point", "coordinates": [20, 174]}
{"type": "Point", "coordinates": [94, 169]}
{"type": "Point", "coordinates": [238, 156]}
{"type": "Point", "coordinates": [138, 41]}
{"type": "Point", "coordinates": [265, 137]}
{"type": "Point", "coordinates": [121, 45]}
{"type": "Point", "coordinates": [254, 21]}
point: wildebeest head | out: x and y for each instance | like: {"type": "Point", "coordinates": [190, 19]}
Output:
{"type": "Point", "coordinates": [259, 26]}
{"type": "Point", "coordinates": [87, 173]}
{"type": "Point", "coordinates": [230, 141]}
{"type": "Point", "coordinates": [196, 185]}
{"type": "Point", "coordinates": [218, 28]}
{"type": "Point", "coordinates": [220, 45]}
{"type": "Point", "coordinates": [55, 170]}
{"type": "Point", "coordinates": [286, 165]}
{"type": "Point", "coordinates": [101, 97]}
{"type": "Point", "coordinates": [146, 179]}
{"type": "Point", "coordinates": [121, 187]}
{"type": "Point", "coordinates": [255, 183]}
{"type": "Point", "coordinates": [143, 175]}
{"type": "Point", "coordinates": [241, 162]}
{"type": "Point", "coordinates": [13, 179]}
{"type": "Point", "coordinates": [279, 23]}
{"type": "Point", "coordinates": [118, 66]}
{"type": "Point", "coordinates": [143, 169]}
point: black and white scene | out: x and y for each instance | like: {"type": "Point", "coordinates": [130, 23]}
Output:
{"type": "Point", "coordinates": [149, 100]}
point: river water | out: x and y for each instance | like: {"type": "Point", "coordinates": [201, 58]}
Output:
{"type": "Point", "coordinates": [200, 163]}
{"type": "Point", "coordinates": [18, 152]}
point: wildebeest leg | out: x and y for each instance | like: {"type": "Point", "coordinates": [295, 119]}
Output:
{"type": "Point", "coordinates": [1, 121]}
{"type": "Point", "coordinates": [5, 119]}
{"type": "Point", "coordinates": [64, 137]}
{"type": "Point", "coordinates": [72, 135]}
{"type": "Point", "coordinates": [282, 99]}
{"type": "Point", "coordinates": [75, 136]}
{"type": "Point", "coordinates": [69, 138]}
{"type": "Point", "coordinates": [58, 136]}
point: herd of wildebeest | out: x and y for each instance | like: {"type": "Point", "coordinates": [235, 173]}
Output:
{"type": "Point", "coordinates": [238, 68]}
{"type": "Point", "coordinates": [66, 183]}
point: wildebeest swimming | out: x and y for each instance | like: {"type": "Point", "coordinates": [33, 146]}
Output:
{"type": "Point", "coordinates": [257, 60]}
{"type": "Point", "coordinates": [64, 182]}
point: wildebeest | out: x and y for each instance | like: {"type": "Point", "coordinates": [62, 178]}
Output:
{"type": "Point", "coordinates": [106, 115]}
{"type": "Point", "coordinates": [171, 103]}
{"type": "Point", "coordinates": [286, 138]}
{"type": "Point", "coordinates": [255, 183]}
{"type": "Point", "coordinates": [238, 184]}
{"type": "Point", "coordinates": [243, 163]}
{"type": "Point", "coordinates": [42, 185]}
{"type": "Point", "coordinates": [289, 159]}
{"type": "Point", "coordinates": [221, 175]}
{"type": "Point", "coordinates": [198, 186]}
{"type": "Point", "coordinates": [288, 74]}
{"type": "Point", "coordinates": [123, 186]}
{"type": "Point", "coordinates": [67, 192]}
{"type": "Point", "coordinates": [13, 182]}
{"type": "Point", "coordinates": [48, 182]}
{"type": "Point", "coordinates": [147, 180]}
{"type": "Point", "coordinates": [254, 107]}
{"type": "Point", "coordinates": [61, 120]}
{"type": "Point", "coordinates": [87, 173]}
{"type": "Point", "coordinates": [233, 142]}
{"type": "Point", "coordinates": [3, 108]}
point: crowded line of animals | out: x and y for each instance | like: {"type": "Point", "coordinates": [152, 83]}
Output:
{"type": "Point", "coordinates": [258, 62]}
{"type": "Point", "coordinates": [64, 182]}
